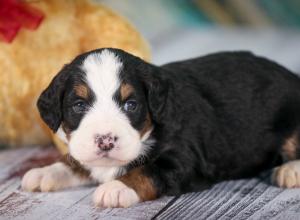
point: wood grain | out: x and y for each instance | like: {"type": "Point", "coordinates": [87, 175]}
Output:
{"type": "Point", "coordinates": [70, 204]}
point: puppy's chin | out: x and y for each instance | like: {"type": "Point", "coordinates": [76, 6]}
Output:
{"type": "Point", "coordinates": [104, 162]}
{"type": "Point", "coordinates": [92, 157]}
{"type": "Point", "coordinates": [87, 152]}
{"type": "Point", "coordinates": [103, 159]}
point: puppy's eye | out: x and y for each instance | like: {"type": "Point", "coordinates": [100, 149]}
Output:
{"type": "Point", "coordinates": [130, 105]}
{"type": "Point", "coordinates": [79, 107]}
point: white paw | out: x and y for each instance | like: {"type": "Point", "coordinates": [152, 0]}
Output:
{"type": "Point", "coordinates": [50, 178]}
{"type": "Point", "coordinates": [115, 194]}
{"type": "Point", "coordinates": [287, 175]}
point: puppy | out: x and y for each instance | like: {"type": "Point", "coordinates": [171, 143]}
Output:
{"type": "Point", "coordinates": [143, 131]}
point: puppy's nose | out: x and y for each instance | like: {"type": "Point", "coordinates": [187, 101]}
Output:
{"type": "Point", "coordinates": [106, 142]}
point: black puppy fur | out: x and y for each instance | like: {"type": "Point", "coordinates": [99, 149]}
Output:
{"type": "Point", "coordinates": [222, 116]}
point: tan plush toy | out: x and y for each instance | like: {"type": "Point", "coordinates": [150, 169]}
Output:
{"type": "Point", "coordinates": [29, 62]}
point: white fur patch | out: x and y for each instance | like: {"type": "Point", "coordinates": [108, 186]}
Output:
{"type": "Point", "coordinates": [115, 194]}
{"type": "Point", "coordinates": [105, 174]}
{"type": "Point", "coordinates": [62, 135]}
{"type": "Point", "coordinates": [105, 116]}
{"type": "Point", "coordinates": [51, 178]}
{"type": "Point", "coordinates": [102, 70]}
{"type": "Point", "coordinates": [287, 175]}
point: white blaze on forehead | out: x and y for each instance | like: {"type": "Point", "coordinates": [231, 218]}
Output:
{"type": "Point", "coordinates": [102, 70]}
{"type": "Point", "coordinates": [105, 116]}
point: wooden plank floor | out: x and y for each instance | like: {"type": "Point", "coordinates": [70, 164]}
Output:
{"type": "Point", "coordinates": [70, 204]}
{"type": "Point", "coordinates": [241, 199]}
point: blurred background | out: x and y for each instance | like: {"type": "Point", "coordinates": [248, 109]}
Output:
{"type": "Point", "coordinates": [55, 31]}
{"type": "Point", "coordinates": [180, 29]}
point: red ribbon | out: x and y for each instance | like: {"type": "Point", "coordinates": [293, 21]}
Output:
{"type": "Point", "coordinates": [14, 15]}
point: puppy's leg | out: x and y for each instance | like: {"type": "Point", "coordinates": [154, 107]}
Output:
{"type": "Point", "coordinates": [115, 194]}
{"type": "Point", "coordinates": [126, 191]}
{"type": "Point", "coordinates": [60, 175]}
{"type": "Point", "coordinates": [145, 183]}
{"type": "Point", "coordinates": [288, 174]}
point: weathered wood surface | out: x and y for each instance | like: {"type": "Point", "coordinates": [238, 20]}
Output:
{"type": "Point", "coordinates": [243, 199]}
{"type": "Point", "coordinates": [70, 204]}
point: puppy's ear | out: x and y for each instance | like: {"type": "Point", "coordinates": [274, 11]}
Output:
{"type": "Point", "coordinates": [50, 101]}
{"type": "Point", "coordinates": [157, 89]}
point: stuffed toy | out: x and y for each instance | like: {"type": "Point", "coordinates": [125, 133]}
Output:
{"type": "Point", "coordinates": [37, 37]}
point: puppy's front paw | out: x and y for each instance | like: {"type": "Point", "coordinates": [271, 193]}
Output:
{"type": "Point", "coordinates": [115, 194]}
{"type": "Point", "coordinates": [50, 178]}
{"type": "Point", "coordinates": [287, 175]}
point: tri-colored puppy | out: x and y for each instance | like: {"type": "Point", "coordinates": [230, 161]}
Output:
{"type": "Point", "coordinates": [143, 131]}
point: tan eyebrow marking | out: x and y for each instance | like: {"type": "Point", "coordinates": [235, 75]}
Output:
{"type": "Point", "coordinates": [81, 90]}
{"type": "Point", "coordinates": [126, 90]}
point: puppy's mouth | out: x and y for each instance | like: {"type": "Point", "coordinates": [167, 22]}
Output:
{"type": "Point", "coordinates": [102, 154]}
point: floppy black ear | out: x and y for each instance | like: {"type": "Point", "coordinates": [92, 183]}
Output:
{"type": "Point", "coordinates": [157, 89]}
{"type": "Point", "coordinates": [50, 101]}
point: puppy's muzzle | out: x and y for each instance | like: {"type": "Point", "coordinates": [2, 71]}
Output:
{"type": "Point", "coordinates": [106, 142]}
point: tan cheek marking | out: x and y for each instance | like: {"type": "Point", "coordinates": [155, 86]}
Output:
{"type": "Point", "coordinates": [126, 90]}
{"type": "Point", "coordinates": [289, 147]}
{"type": "Point", "coordinates": [75, 166]}
{"type": "Point", "coordinates": [67, 131]}
{"type": "Point", "coordinates": [81, 91]}
{"type": "Point", "coordinates": [147, 125]}
{"type": "Point", "coordinates": [142, 184]}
